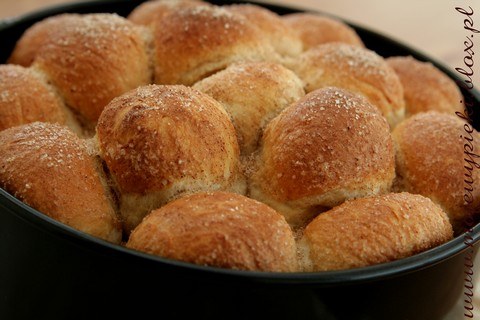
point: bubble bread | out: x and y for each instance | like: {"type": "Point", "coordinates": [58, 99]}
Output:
{"type": "Point", "coordinates": [51, 169]}
{"type": "Point", "coordinates": [161, 141]}
{"type": "Point", "coordinates": [330, 146]}
{"type": "Point", "coordinates": [218, 229]}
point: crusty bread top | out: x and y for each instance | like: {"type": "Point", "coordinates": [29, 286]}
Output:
{"type": "Point", "coordinates": [48, 167]}
{"type": "Point", "coordinates": [373, 230]}
{"type": "Point", "coordinates": [155, 136]}
{"type": "Point", "coordinates": [218, 229]}
{"type": "Point", "coordinates": [315, 29]}
{"type": "Point", "coordinates": [283, 38]}
{"type": "Point", "coordinates": [192, 43]}
{"type": "Point", "coordinates": [425, 87]}
{"type": "Point", "coordinates": [433, 160]}
{"type": "Point", "coordinates": [150, 12]}
{"type": "Point", "coordinates": [357, 69]}
{"type": "Point", "coordinates": [329, 146]}
{"type": "Point", "coordinates": [253, 93]}
{"type": "Point", "coordinates": [25, 98]}
{"type": "Point", "coordinates": [88, 58]}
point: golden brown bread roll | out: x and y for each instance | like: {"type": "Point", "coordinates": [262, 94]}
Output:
{"type": "Point", "coordinates": [283, 38]}
{"type": "Point", "coordinates": [89, 58]}
{"type": "Point", "coordinates": [252, 93]}
{"type": "Point", "coordinates": [26, 98]}
{"type": "Point", "coordinates": [51, 169]}
{"type": "Point", "coordinates": [315, 29]}
{"type": "Point", "coordinates": [426, 88]}
{"type": "Point", "coordinates": [368, 231]}
{"type": "Point", "coordinates": [330, 146]}
{"type": "Point", "coordinates": [193, 43]}
{"type": "Point", "coordinates": [150, 12]}
{"type": "Point", "coordinates": [161, 141]}
{"type": "Point", "coordinates": [218, 229]}
{"type": "Point", "coordinates": [436, 157]}
{"type": "Point", "coordinates": [357, 69]}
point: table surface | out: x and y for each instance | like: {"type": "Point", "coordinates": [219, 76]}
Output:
{"type": "Point", "coordinates": [433, 27]}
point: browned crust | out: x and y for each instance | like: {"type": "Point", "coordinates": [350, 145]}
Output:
{"type": "Point", "coordinates": [431, 161]}
{"type": "Point", "coordinates": [426, 88]}
{"type": "Point", "coordinates": [373, 230]}
{"type": "Point", "coordinates": [49, 168]}
{"type": "Point", "coordinates": [150, 12]}
{"type": "Point", "coordinates": [252, 93]}
{"type": "Point", "coordinates": [192, 43]}
{"type": "Point", "coordinates": [89, 58]}
{"type": "Point", "coordinates": [161, 141]}
{"type": "Point", "coordinates": [283, 38]}
{"type": "Point", "coordinates": [25, 98]}
{"type": "Point", "coordinates": [218, 229]}
{"type": "Point", "coordinates": [315, 29]}
{"type": "Point", "coordinates": [357, 69]}
{"type": "Point", "coordinates": [329, 146]}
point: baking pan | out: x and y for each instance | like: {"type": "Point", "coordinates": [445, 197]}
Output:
{"type": "Point", "coordinates": [51, 271]}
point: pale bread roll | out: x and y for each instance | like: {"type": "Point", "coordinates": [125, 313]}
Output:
{"type": "Point", "coordinates": [162, 141]}
{"type": "Point", "coordinates": [218, 229]}
{"type": "Point", "coordinates": [330, 146]}
{"type": "Point", "coordinates": [51, 169]}
{"type": "Point", "coordinates": [253, 93]}
{"type": "Point", "coordinates": [437, 156]}
{"type": "Point", "coordinates": [315, 29]}
{"type": "Point", "coordinates": [89, 58]}
{"type": "Point", "coordinates": [357, 69]}
{"type": "Point", "coordinates": [193, 43]}
{"type": "Point", "coordinates": [373, 230]}
{"type": "Point", "coordinates": [426, 88]}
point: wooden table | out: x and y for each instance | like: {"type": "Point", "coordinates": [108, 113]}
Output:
{"type": "Point", "coordinates": [430, 26]}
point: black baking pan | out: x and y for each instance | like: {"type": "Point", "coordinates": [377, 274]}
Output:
{"type": "Point", "coordinates": [51, 271]}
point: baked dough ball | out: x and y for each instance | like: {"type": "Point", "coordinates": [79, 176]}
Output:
{"type": "Point", "coordinates": [253, 93]}
{"type": "Point", "coordinates": [283, 38]}
{"type": "Point", "coordinates": [26, 98]}
{"type": "Point", "coordinates": [330, 146]}
{"type": "Point", "coordinates": [315, 29]}
{"type": "Point", "coordinates": [372, 230]}
{"type": "Point", "coordinates": [51, 169]}
{"type": "Point", "coordinates": [218, 229]}
{"type": "Point", "coordinates": [426, 88]}
{"type": "Point", "coordinates": [89, 58]}
{"type": "Point", "coordinates": [150, 12]}
{"type": "Point", "coordinates": [159, 142]}
{"type": "Point", "coordinates": [193, 43]}
{"type": "Point", "coordinates": [357, 69]}
{"type": "Point", "coordinates": [436, 158]}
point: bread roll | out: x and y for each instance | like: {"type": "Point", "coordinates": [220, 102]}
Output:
{"type": "Point", "coordinates": [252, 93]}
{"type": "Point", "coordinates": [330, 146]}
{"type": "Point", "coordinates": [426, 88]}
{"type": "Point", "coordinates": [368, 231]}
{"type": "Point", "coordinates": [357, 69]}
{"type": "Point", "coordinates": [51, 169]}
{"type": "Point", "coordinates": [26, 98]}
{"type": "Point", "coordinates": [88, 58]}
{"type": "Point", "coordinates": [315, 29]}
{"type": "Point", "coordinates": [161, 141]}
{"type": "Point", "coordinates": [150, 12]}
{"type": "Point", "coordinates": [218, 229]}
{"type": "Point", "coordinates": [193, 43]}
{"type": "Point", "coordinates": [283, 38]}
{"type": "Point", "coordinates": [437, 157]}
